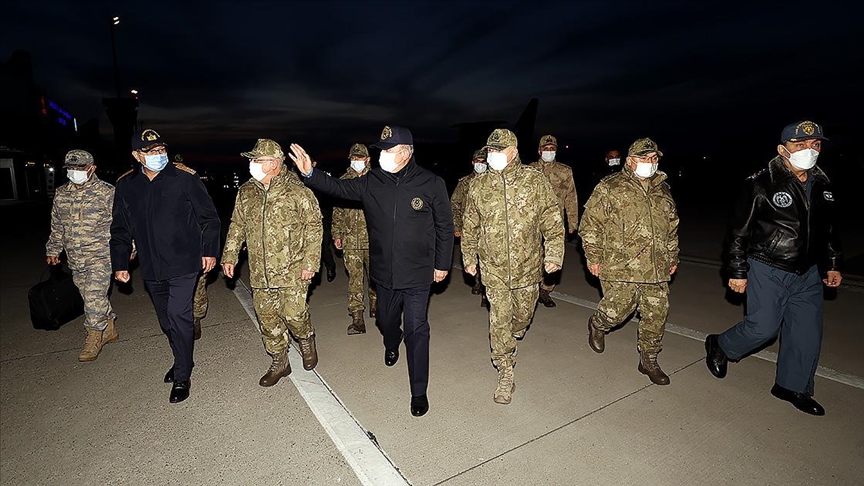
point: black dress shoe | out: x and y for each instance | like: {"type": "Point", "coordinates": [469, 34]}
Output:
{"type": "Point", "coordinates": [419, 405]}
{"type": "Point", "coordinates": [715, 358]}
{"type": "Point", "coordinates": [180, 391]}
{"type": "Point", "coordinates": [391, 356]}
{"type": "Point", "coordinates": [331, 274]}
{"type": "Point", "coordinates": [801, 401]}
{"type": "Point", "coordinates": [169, 376]}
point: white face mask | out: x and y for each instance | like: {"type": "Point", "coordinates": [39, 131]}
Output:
{"type": "Point", "coordinates": [257, 171]}
{"type": "Point", "coordinates": [388, 162]}
{"type": "Point", "coordinates": [479, 167]}
{"type": "Point", "coordinates": [77, 176]}
{"type": "Point", "coordinates": [497, 160]}
{"type": "Point", "coordinates": [616, 161]}
{"type": "Point", "coordinates": [645, 169]}
{"type": "Point", "coordinates": [803, 159]}
{"type": "Point", "coordinates": [358, 165]}
{"type": "Point", "coordinates": [547, 155]}
{"type": "Point", "coordinates": [156, 162]}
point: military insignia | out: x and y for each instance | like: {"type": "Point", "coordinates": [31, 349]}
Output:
{"type": "Point", "coordinates": [828, 196]}
{"type": "Point", "coordinates": [417, 204]}
{"type": "Point", "coordinates": [782, 199]}
{"type": "Point", "coordinates": [496, 136]}
{"type": "Point", "coordinates": [149, 135]}
{"type": "Point", "coordinates": [808, 129]}
{"type": "Point", "coordinates": [386, 133]}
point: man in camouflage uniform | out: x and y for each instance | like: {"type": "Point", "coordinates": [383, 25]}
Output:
{"type": "Point", "coordinates": [350, 236]}
{"type": "Point", "coordinates": [513, 224]}
{"type": "Point", "coordinates": [279, 219]}
{"type": "Point", "coordinates": [630, 234]}
{"type": "Point", "coordinates": [457, 205]}
{"type": "Point", "coordinates": [81, 225]}
{"type": "Point", "coordinates": [561, 178]}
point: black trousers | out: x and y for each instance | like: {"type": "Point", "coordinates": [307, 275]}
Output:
{"type": "Point", "coordinates": [327, 250]}
{"type": "Point", "coordinates": [172, 299]}
{"type": "Point", "coordinates": [412, 305]}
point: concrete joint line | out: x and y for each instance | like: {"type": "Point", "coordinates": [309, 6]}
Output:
{"type": "Point", "coordinates": [357, 445]}
{"type": "Point", "coordinates": [821, 371]}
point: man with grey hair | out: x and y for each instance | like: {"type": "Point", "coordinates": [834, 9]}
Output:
{"type": "Point", "coordinates": [410, 244]}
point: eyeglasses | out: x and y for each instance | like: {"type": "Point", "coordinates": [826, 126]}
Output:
{"type": "Point", "coordinates": [645, 158]}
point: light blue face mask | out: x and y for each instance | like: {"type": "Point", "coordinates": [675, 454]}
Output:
{"type": "Point", "coordinates": [156, 162]}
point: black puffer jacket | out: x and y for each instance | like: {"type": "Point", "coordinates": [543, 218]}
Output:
{"type": "Point", "coordinates": [775, 224]}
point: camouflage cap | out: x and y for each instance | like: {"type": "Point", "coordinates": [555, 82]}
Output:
{"type": "Point", "coordinates": [501, 138]}
{"type": "Point", "coordinates": [805, 130]}
{"type": "Point", "coordinates": [77, 159]}
{"type": "Point", "coordinates": [265, 147]}
{"type": "Point", "coordinates": [358, 150]}
{"type": "Point", "coordinates": [644, 146]}
{"type": "Point", "coordinates": [479, 154]}
{"type": "Point", "coordinates": [548, 140]}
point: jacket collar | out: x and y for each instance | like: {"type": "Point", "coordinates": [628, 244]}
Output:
{"type": "Point", "coordinates": [780, 172]}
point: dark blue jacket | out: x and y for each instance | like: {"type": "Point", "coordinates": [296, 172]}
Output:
{"type": "Point", "coordinates": [408, 218]}
{"type": "Point", "coordinates": [171, 219]}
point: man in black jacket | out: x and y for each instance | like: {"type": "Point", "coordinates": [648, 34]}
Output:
{"type": "Point", "coordinates": [165, 209]}
{"type": "Point", "coordinates": [783, 233]}
{"type": "Point", "coordinates": [410, 244]}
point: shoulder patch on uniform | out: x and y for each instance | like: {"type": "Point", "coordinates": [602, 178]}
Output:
{"type": "Point", "coordinates": [756, 174]}
{"type": "Point", "coordinates": [124, 174]}
{"type": "Point", "coordinates": [782, 199]}
{"type": "Point", "coordinates": [184, 168]}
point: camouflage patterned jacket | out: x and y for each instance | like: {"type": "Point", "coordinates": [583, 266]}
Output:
{"type": "Point", "coordinates": [508, 216]}
{"type": "Point", "coordinates": [281, 226]}
{"type": "Point", "coordinates": [349, 220]}
{"type": "Point", "coordinates": [630, 231]}
{"type": "Point", "coordinates": [561, 178]}
{"type": "Point", "coordinates": [459, 198]}
{"type": "Point", "coordinates": [81, 221]}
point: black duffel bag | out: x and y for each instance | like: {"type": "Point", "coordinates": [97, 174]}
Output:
{"type": "Point", "coordinates": [55, 301]}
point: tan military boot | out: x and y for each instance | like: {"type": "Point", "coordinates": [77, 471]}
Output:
{"type": "Point", "coordinates": [596, 337]}
{"type": "Point", "coordinates": [648, 366]}
{"type": "Point", "coordinates": [196, 326]}
{"type": "Point", "coordinates": [358, 326]}
{"type": "Point", "coordinates": [506, 385]}
{"type": "Point", "coordinates": [92, 346]}
{"type": "Point", "coordinates": [278, 369]}
{"type": "Point", "coordinates": [310, 354]}
{"type": "Point", "coordinates": [110, 334]}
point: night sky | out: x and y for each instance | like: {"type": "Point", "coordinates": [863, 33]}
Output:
{"type": "Point", "coordinates": [699, 77]}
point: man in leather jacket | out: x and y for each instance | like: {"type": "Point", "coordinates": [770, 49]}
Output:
{"type": "Point", "coordinates": [783, 236]}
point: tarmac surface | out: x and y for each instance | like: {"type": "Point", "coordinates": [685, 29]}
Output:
{"type": "Point", "coordinates": [576, 418]}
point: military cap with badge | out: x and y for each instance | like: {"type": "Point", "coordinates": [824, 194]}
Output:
{"type": "Point", "coordinates": [77, 163]}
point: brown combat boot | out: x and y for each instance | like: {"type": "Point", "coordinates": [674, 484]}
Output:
{"type": "Point", "coordinates": [358, 326]}
{"type": "Point", "coordinates": [596, 337]}
{"type": "Point", "coordinates": [196, 326]}
{"type": "Point", "coordinates": [506, 385]}
{"type": "Point", "coordinates": [92, 346]}
{"type": "Point", "coordinates": [310, 354]}
{"type": "Point", "coordinates": [648, 366]}
{"type": "Point", "coordinates": [278, 369]}
{"type": "Point", "coordinates": [110, 334]}
{"type": "Point", "coordinates": [545, 299]}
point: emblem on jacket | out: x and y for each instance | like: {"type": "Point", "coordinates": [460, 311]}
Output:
{"type": "Point", "coordinates": [417, 204]}
{"type": "Point", "coordinates": [828, 196]}
{"type": "Point", "coordinates": [782, 199]}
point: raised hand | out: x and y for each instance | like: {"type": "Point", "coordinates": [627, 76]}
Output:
{"type": "Point", "coordinates": [301, 159]}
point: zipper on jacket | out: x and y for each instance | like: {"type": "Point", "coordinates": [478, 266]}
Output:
{"type": "Point", "coordinates": [264, 239]}
{"type": "Point", "coordinates": [653, 236]}
{"type": "Point", "coordinates": [507, 227]}
{"type": "Point", "coordinates": [393, 238]}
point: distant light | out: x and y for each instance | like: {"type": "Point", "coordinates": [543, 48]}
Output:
{"type": "Point", "coordinates": [566, 146]}
{"type": "Point", "coordinates": [116, 20]}
{"type": "Point", "coordinates": [51, 169]}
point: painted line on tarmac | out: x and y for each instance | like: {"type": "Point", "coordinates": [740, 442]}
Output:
{"type": "Point", "coordinates": [821, 371]}
{"type": "Point", "coordinates": [358, 446]}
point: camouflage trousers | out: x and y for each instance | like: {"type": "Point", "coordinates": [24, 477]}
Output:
{"type": "Point", "coordinates": [357, 265]}
{"type": "Point", "coordinates": [620, 299]}
{"type": "Point", "coordinates": [280, 311]}
{"type": "Point", "coordinates": [93, 279]}
{"type": "Point", "coordinates": [510, 312]}
{"type": "Point", "coordinates": [200, 302]}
